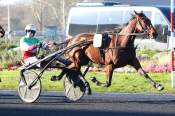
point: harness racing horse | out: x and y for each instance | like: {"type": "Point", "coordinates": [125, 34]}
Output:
{"type": "Point", "coordinates": [2, 32]}
{"type": "Point", "coordinates": [118, 51]}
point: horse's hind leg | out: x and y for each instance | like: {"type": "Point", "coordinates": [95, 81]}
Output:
{"type": "Point", "coordinates": [137, 66]}
{"type": "Point", "coordinates": [109, 71]}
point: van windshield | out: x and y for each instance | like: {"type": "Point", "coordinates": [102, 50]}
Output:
{"type": "Point", "coordinates": [166, 11]}
{"type": "Point", "coordinates": [94, 22]}
{"type": "Point", "coordinates": [90, 21]}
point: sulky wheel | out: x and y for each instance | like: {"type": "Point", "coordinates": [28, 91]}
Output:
{"type": "Point", "coordinates": [26, 93]}
{"type": "Point", "coordinates": [74, 87]}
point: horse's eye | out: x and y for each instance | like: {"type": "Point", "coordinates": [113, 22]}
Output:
{"type": "Point", "coordinates": [142, 18]}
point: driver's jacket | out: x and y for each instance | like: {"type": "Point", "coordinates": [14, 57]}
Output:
{"type": "Point", "coordinates": [28, 47]}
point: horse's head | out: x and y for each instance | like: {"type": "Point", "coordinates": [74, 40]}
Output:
{"type": "Point", "coordinates": [144, 25]}
{"type": "Point", "coordinates": [2, 32]}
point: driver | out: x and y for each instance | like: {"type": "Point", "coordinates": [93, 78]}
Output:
{"type": "Point", "coordinates": [28, 46]}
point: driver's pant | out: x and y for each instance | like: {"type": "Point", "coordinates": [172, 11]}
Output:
{"type": "Point", "coordinates": [31, 60]}
{"type": "Point", "coordinates": [63, 61]}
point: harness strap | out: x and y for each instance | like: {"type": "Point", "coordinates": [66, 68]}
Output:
{"type": "Point", "coordinates": [131, 34]}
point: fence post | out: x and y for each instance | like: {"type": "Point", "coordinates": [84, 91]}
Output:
{"type": "Point", "coordinates": [172, 42]}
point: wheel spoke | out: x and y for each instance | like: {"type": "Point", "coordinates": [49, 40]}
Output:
{"type": "Point", "coordinates": [35, 87]}
{"type": "Point", "coordinates": [26, 94]}
{"type": "Point", "coordinates": [68, 90]}
{"type": "Point", "coordinates": [22, 84]}
{"type": "Point", "coordinates": [72, 92]}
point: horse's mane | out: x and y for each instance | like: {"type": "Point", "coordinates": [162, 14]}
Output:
{"type": "Point", "coordinates": [118, 30]}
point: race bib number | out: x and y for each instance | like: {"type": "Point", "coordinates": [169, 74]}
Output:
{"type": "Point", "coordinates": [97, 40]}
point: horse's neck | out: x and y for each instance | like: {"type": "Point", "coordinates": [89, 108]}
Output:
{"type": "Point", "coordinates": [125, 34]}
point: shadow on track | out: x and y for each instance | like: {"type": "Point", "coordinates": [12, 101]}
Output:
{"type": "Point", "coordinates": [54, 112]}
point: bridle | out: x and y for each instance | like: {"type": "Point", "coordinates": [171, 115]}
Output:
{"type": "Point", "coordinates": [134, 32]}
{"type": "Point", "coordinates": [143, 32]}
{"type": "Point", "coordinates": [144, 28]}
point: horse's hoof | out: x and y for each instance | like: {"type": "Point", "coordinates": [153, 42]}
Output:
{"type": "Point", "coordinates": [159, 87]}
{"type": "Point", "coordinates": [93, 79]}
{"type": "Point", "coordinates": [88, 91]}
{"type": "Point", "coordinates": [98, 83]}
{"type": "Point", "coordinates": [107, 84]}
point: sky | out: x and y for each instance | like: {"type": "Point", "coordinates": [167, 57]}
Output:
{"type": "Point", "coordinates": [145, 2]}
{"type": "Point", "coordinates": [5, 2]}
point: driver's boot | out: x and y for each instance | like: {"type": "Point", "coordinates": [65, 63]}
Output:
{"type": "Point", "coordinates": [56, 78]}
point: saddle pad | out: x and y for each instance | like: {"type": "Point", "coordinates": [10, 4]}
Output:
{"type": "Point", "coordinates": [97, 40]}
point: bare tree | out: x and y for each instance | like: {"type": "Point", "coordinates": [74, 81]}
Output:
{"type": "Point", "coordinates": [56, 10]}
{"type": "Point", "coordinates": [41, 12]}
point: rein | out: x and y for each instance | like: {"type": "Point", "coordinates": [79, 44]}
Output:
{"type": "Point", "coordinates": [119, 47]}
{"type": "Point", "coordinates": [131, 34]}
{"type": "Point", "coordinates": [144, 32]}
{"type": "Point", "coordinates": [118, 34]}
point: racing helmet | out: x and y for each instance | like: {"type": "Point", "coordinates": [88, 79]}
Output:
{"type": "Point", "coordinates": [30, 27]}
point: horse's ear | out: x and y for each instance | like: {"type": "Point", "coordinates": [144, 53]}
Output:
{"type": "Point", "coordinates": [135, 12]}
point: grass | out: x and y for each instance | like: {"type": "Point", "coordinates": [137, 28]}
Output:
{"type": "Point", "coordinates": [122, 82]}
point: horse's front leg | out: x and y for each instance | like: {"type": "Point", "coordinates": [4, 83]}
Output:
{"type": "Point", "coordinates": [137, 66]}
{"type": "Point", "coordinates": [109, 72]}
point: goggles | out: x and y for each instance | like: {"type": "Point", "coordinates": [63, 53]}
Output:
{"type": "Point", "coordinates": [30, 31]}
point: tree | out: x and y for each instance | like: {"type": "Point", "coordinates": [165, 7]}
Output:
{"type": "Point", "coordinates": [56, 10]}
{"type": "Point", "coordinates": [40, 12]}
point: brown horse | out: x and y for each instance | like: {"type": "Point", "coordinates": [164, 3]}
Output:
{"type": "Point", "coordinates": [2, 32]}
{"type": "Point", "coordinates": [118, 51]}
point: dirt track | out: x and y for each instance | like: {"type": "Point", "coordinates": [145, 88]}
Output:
{"type": "Point", "coordinates": [102, 104]}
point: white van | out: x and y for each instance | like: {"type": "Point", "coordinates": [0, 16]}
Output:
{"type": "Point", "coordinates": [99, 17]}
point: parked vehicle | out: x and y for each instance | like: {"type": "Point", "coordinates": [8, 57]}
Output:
{"type": "Point", "coordinates": [100, 17]}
